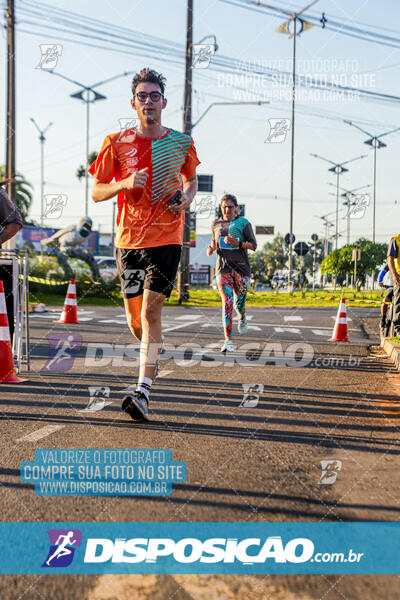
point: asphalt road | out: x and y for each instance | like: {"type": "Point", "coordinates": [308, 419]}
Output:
{"type": "Point", "coordinates": [249, 458]}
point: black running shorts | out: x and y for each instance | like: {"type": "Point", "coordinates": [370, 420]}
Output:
{"type": "Point", "coordinates": [148, 269]}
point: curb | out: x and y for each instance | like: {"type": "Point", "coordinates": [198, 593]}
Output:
{"type": "Point", "coordinates": [393, 351]}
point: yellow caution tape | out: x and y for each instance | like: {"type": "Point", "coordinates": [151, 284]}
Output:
{"type": "Point", "coordinates": [46, 281]}
{"type": "Point", "coordinates": [55, 282]}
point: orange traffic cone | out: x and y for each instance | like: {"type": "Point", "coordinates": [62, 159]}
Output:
{"type": "Point", "coordinates": [7, 371]}
{"type": "Point", "coordinates": [70, 310]}
{"type": "Point", "coordinates": [340, 329]}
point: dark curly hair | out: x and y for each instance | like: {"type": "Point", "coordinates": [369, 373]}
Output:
{"type": "Point", "coordinates": [149, 76]}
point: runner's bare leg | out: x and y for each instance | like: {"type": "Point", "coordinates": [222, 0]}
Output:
{"type": "Point", "coordinates": [133, 311]}
{"type": "Point", "coordinates": [151, 332]}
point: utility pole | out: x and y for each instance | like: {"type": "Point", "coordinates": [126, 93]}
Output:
{"type": "Point", "coordinates": [183, 271]}
{"type": "Point", "coordinates": [42, 140]}
{"type": "Point", "coordinates": [10, 127]}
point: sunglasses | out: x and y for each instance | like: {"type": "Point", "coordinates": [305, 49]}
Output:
{"type": "Point", "coordinates": [142, 96]}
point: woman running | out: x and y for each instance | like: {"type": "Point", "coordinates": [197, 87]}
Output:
{"type": "Point", "coordinates": [232, 236]}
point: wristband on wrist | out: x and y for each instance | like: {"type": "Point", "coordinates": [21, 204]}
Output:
{"type": "Point", "coordinates": [240, 245]}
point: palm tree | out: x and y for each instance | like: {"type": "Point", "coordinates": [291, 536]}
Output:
{"type": "Point", "coordinates": [80, 172]}
{"type": "Point", "coordinates": [23, 194]}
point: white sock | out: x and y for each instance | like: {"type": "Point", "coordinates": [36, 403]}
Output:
{"type": "Point", "coordinates": [144, 386]}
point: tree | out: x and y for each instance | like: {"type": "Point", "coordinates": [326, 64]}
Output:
{"type": "Point", "coordinates": [339, 262]}
{"type": "Point", "coordinates": [257, 266]}
{"type": "Point", "coordinates": [80, 172]}
{"type": "Point", "coordinates": [23, 194]}
{"type": "Point", "coordinates": [275, 256]}
{"type": "Point", "coordinates": [271, 257]}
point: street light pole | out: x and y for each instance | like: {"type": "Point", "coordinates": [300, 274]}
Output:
{"type": "Point", "coordinates": [337, 168]}
{"type": "Point", "coordinates": [349, 194]}
{"type": "Point", "coordinates": [88, 95]}
{"type": "Point", "coordinates": [42, 140]}
{"type": "Point", "coordinates": [294, 18]}
{"type": "Point", "coordinates": [292, 161]}
{"type": "Point", "coordinates": [375, 142]}
{"type": "Point", "coordinates": [87, 155]}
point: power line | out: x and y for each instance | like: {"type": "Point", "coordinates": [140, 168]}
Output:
{"type": "Point", "coordinates": [151, 46]}
{"type": "Point", "coordinates": [329, 24]}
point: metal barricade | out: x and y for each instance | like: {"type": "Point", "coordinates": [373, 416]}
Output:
{"type": "Point", "coordinates": [14, 273]}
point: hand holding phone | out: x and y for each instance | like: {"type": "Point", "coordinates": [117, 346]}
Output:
{"type": "Point", "coordinates": [176, 197]}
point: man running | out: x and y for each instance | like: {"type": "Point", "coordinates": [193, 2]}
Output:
{"type": "Point", "coordinates": [386, 302]}
{"type": "Point", "coordinates": [393, 260]}
{"type": "Point", "coordinates": [10, 218]}
{"type": "Point", "coordinates": [150, 163]}
{"type": "Point", "coordinates": [232, 236]}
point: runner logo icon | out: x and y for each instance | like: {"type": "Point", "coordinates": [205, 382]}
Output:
{"type": "Point", "coordinates": [251, 394]}
{"type": "Point", "coordinates": [330, 471]}
{"type": "Point", "coordinates": [133, 279]}
{"type": "Point", "coordinates": [62, 351]}
{"type": "Point", "coordinates": [99, 396]}
{"type": "Point", "coordinates": [63, 543]}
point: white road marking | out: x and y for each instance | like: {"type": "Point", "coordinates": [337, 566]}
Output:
{"type": "Point", "coordinates": [323, 332]}
{"type": "Point", "coordinates": [306, 327]}
{"type": "Point", "coordinates": [52, 316]}
{"type": "Point", "coordinates": [254, 327]}
{"type": "Point", "coordinates": [248, 317]}
{"type": "Point", "coordinates": [180, 326]}
{"type": "Point", "coordinates": [348, 318]}
{"type": "Point", "coordinates": [40, 433]}
{"type": "Point", "coordinates": [188, 317]}
{"type": "Point", "coordinates": [117, 321]}
{"type": "Point", "coordinates": [289, 329]}
{"type": "Point", "coordinates": [292, 318]}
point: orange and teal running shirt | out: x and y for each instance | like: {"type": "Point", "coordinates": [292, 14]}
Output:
{"type": "Point", "coordinates": [144, 219]}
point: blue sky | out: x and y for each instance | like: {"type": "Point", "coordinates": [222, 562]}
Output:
{"type": "Point", "coordinates": [230, 140]}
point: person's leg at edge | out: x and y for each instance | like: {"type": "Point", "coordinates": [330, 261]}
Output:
{"type": "Point", "coordinates": [150, 346]}
{"type": "Point", "coordinates": [396, 310]}
{"type": "Point", "coordinates": [225, 287]}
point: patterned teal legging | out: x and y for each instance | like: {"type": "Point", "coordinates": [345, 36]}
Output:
{"type": "Point", "coordinates": [233, 289]}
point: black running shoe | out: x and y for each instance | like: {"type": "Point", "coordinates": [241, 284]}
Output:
{"type": "Point", "coordinates": [137, 406]}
